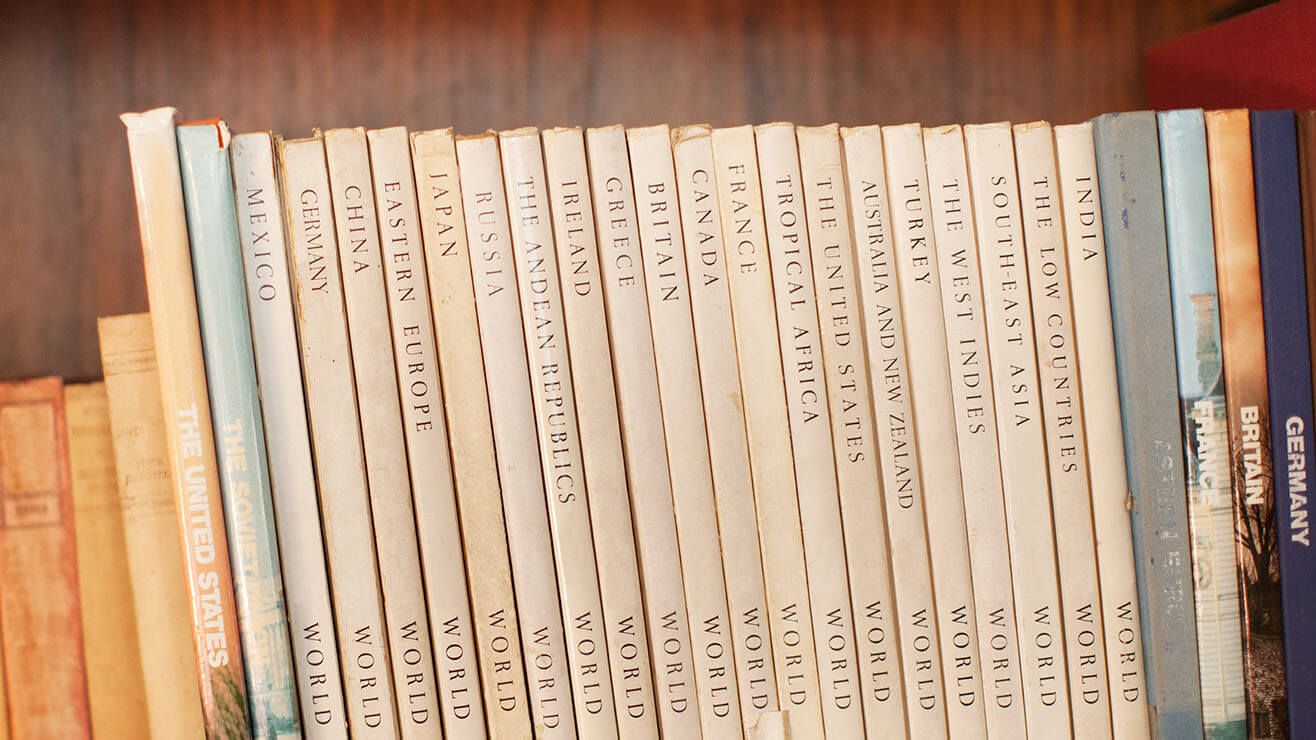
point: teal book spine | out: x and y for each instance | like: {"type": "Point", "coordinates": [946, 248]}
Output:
{"type": "Point", "coordinates": [203, 150]}
{"type": "Point", "coordinates": [1195, 301]}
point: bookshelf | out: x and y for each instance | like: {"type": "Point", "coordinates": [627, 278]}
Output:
{"type": "Point", "coordinates": [70, 252]}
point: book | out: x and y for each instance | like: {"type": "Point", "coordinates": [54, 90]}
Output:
{"type": "Point", "coordinates": [973, 397]}
{"type": "Point", "coordinates": [116, 690]}
{"type": "Point", "coordinates": [331, 403]}
{"type": "Point", "coordinates": [239, 431]}
{"type": "Point", "coordinates": [470, 436]}
{"type": "Point", "coordinates": [150, 527]}
{"type": "Point", "coordinates": [1011, 349]}
{"type": "Point", "coordinates": [40, 608]}
{"type": "Point", "coordinates": [1195, 303]}
{"type": "Point", "coordinates": [762, 382]}
{"type": "Point", "coordinates": [1137, 266]}
{"type": "Point", "coordinates": [1307, 177]}
{"type": "Point", "coordinates": [287, 435]}
{"type": "Point", "coordinates": [586, 331]}
{"type": "Point", "coordinates": [167, 258]}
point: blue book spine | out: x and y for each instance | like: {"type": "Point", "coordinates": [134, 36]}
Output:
{"type": "Point", "coordinates": [1288, 357]}
{"type": "Point", "coordinates": [239, 434]}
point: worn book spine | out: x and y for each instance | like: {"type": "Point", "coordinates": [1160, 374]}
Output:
{"type": "Point", "coordinates": [973, 397]}
{"type": "Point", "coordinates": [512, 412]}
{"type": "Point", "coordinates": [287, 436]}
{"type": "Point", "coordinates": [340, 466]}
{"type": "Point", "coordinates": [150, 527]}
{"type": "Point", "coordinates": [854, 444]}
{"type": "Point", "coordinates": [724, 418]}
{"type": "Point", "coordinates": [157, 183]}
{"type": "Point", "coordinates": [761, 381]}
{"type": "Point", "coordinates": [586, 330]}
{"type": "Point", "coordinates": [1012, 351]}
{"type": "Point", "coordinates": [1132, 211]}
{"type": "Point", "coordinates": [1195, 303]}
{"type": "Point", "coordinates": [466, 403]}
{"type": "Point", "coordinates": [636, 377]}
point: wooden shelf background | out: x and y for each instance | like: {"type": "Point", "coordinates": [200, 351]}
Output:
{"type": "Point", "coordinates": [69, 250]}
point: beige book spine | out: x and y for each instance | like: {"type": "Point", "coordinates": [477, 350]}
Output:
{"type": "Point", "coordinates": [810, 428]}
{"type": "Point", "coordinates": [836, 287]}
{"type": "Point", "coordinates": [586, 328]}
{"type": "Point", "coordinates": [740, 205]}
{"type": "Point", "coordinates": [724, 414]}
{"type": "Point", "coordinates": [331, 402]}
{"type": "Point", "coordinates": [1019, 416]}
{"type": "Point", "coordinates": [470, 436]}
{"type": "Point", "coordinates": [636, 376]}
{"type": "Point", "coordinates": [150, 528]}
{"type": "Point", "coordinates": [667, 288]}
{"type": "Point", "coordinates": [1099, 388]}
{"type": "Point", "coordinates": [1062, 414]}
{"type": "Point", "coordinates": [116, 691]}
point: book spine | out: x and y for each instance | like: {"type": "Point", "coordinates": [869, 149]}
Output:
{"type": "Point", "coordinates": [158, 186]}
{"type": "Point", "coordinates": [466, 402]}
{"type": "Point", "coordinates": [331, 403]}
{"type": "Point", "coordinates": [150, 527]}
{"type": "Point", "coordinates": [1129, 172]}
{"type": "Point", "coordinates": [973, 397]}
{"type": "Point", "coordinates": [1307, 175]}
{"type": "Point", "coordinates": [586, 333]}
{"type": "Point", "coordinates": [724, 415]}
{"type": "Point", "coordinates": [763, 385]}
{"type": "Point", "coordinates": [512, 413]}
{"type": "Point", "coordinates": [287, 436]}
{"type": "Point", "coordinates": [1013, 356]}
{"type": "Point", "coordinates": [642, 430]}
{"type": "Point", "coordinates": [836, 289]}
{"type": "Point", "coordinates": [1195, 302]}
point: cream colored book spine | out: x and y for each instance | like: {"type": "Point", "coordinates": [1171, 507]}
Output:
{"type": "Point", "coordinates": [1099, 389]}
{"type": "Point", "coordinates": [810, 428]}
{"type": "Point", "coordinates": [662, 252]}
{"type": "Point", "coordinates": [636, 376]}
{"type": "Point", "coordinates": [724, 414]}
{"type": "Point", "coordinates": [790, 621]}
{"type": "Point", "coordinates": [470, 436]}
{"type": "Point", "coordinates": [836, 287]}
{"type": "Point", "coordinates": [331, 402]}
{"type": "Point", "coordinates": [512, 415]}
{"type": "Point", "coordinates": [1019, 417]}
{"type": "Point", "coordinates": [434, 496]}
{"type": "Point", "coordinates": [1062, 414]}
{"type": "Point", "coordinates": [586, 329]}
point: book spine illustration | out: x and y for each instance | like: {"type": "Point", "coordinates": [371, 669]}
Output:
{"type": "Point", "coordinates": [1062, 415]}
{"type": "Point", "coordinates": [586, 330]}
{"type": "Point", "coordinates": [642, 438]}
{"type": "Point", "coordinates": [724, 417]}
{"type": "Point", "coordinates": [1195, 303]}
{"type": "Point", "coordinates": [836, 290]}
{"type": "Point", "coordinates": [466, 402]}
{"type": "Point", "coordinates": [1128, 168]}
{"type": "Point", "coordinates": [810, 427]}
{"type": "Point", "coordinates": [150, 527]}
{"type": "Point", "coordinates": [157, 183]}
{"type": "Point", "coordinates": [740, 203]}
{"type": "Point", "coordinates": [973, 397]}
{"type": "Point", "coordinates": [340, 466]}
{"type": "Point", "coordinates": [287, 436]}
{"type": "Point", "coordinates": [1011, 348]}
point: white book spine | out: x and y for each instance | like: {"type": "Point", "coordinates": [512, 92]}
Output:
{"type": "Point", "coordinates": [1099, 388]}
{"type": "Point", "coordinates": [336, 435]}
{"type": "Point", "coordinates": [1021, 436]}
{"type": "Point", "coordinates": [836, 285]}
{"type": "Point", "coordinates": [512, 414]}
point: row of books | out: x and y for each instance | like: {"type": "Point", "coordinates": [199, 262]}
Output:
{"type": "Point", "coordinates": [766, 431]}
